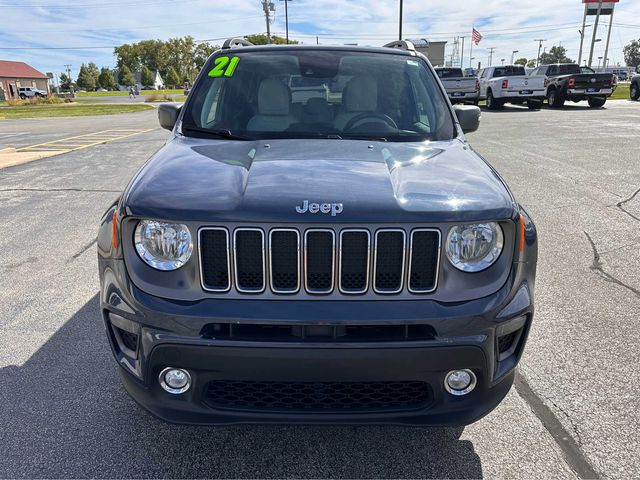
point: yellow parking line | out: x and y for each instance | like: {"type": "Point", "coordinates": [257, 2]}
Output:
{"type": "Point", "coordinates": [79, 142]}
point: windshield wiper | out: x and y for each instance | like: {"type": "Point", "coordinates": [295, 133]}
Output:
{"type": "Point", "coordinates": [223, 133]}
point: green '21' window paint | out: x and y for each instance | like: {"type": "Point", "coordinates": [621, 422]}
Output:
{"type": "Point", "coordinates": [224, 66]}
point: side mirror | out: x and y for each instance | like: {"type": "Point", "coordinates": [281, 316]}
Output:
{"type": "Point", "coordinates": [168, 115]}
{"type": "Point", "coordinates": [468, 117]}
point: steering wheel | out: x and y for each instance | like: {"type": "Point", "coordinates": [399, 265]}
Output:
{"type": "Point", "coordinates": [375, 115]}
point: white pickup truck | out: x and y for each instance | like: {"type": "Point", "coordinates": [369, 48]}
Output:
{"type": "Point", "coordinates": [511, 84]}
{"type": "Point", "coordinates": [30, 92]}
{"type": "Point", "coordinates": [460, 89]}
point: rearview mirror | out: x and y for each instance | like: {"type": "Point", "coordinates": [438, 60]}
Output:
{"type": "Point", "coordinates": [168, 115]}
{"type": "Point", "coordinates": [468, 117]}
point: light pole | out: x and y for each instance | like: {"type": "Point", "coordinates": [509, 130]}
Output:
{"type": "Point", "coordinates": [286, 20]}
{"type": "Point", "coordinates": [491, 50]}
{"type": "Point", "coordinates": [502, 60]}
{"type": "Point", "coordinates": [400, 22]}
{"type": "Point", "coordinates": [599, 60]}
{"type": "Point", "coordinates": [513, 54]}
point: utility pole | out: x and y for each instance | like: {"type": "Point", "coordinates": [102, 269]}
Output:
{"type": "Point", "coordinates": [267, 6]}
{"type": "Point", "coordinates": [584, 25]}
{"type": "Point", "coordinates": [595, 31]}
{"type": "Point", "coordinates": [400, 22]}
{"type": "Point", "coordinates": [606, 48]}
{"type": "Point", "coordinates": [491, 50]}
{"type": "Point", "coordinates": [462, 55]}
{"type": "Point", "coordinates": [540, 40]}
{"type": "Point", "coordinates": [68, 70]}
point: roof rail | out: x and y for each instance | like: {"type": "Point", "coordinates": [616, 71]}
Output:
{"type": "Point", "coordinates": [403, 44]}
{"type": "Point", "coordinates": [236, 42]}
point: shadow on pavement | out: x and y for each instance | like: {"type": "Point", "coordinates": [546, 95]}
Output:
{"type": "Point", "coordinates": [64, 414]}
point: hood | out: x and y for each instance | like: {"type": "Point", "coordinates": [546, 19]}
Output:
{"type": "Point", "coordinates": [205, 180]}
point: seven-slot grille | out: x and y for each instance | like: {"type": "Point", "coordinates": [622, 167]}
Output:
{"type": "Point", "coordinates": [352, 261]}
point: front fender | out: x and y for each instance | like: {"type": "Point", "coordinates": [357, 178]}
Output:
{"type": "Point", "coordinates": [109, 241]}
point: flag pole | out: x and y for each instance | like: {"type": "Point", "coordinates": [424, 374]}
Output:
{"type": "Point", "coordinates": [473, 27]}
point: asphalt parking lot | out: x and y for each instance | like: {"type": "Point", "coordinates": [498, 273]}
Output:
{"type": "Point", "coordinates": [574, 410]}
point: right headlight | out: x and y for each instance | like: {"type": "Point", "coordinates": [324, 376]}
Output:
{"type": "Point", "coordinates": [164, 246]}
{"type": "Point", "coordinates": [475, 247]}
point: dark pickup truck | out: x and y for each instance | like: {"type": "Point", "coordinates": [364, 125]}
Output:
{"type": "Point", "coordinates": [568, 81]}
{"type": "Point", "coordinates": [634, 88]}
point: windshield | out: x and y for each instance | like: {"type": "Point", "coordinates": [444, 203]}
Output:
{"type": "Point", "coordinates": [449, 72]}
{"type": "Point", "coordinates": [318, 94]}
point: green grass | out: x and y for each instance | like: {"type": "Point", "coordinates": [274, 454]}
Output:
{"type": "Point", "coordinates": [621, 93]}
{"type": "Point", "coordinates": [47, 111]}
{"type": "Point", "coordinates": [175, 91]}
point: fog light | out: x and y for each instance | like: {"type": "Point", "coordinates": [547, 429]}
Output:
{"type": "Point", "coordinates": [175, 380]}
{"type": "Point", "coordinates": [460, 382]}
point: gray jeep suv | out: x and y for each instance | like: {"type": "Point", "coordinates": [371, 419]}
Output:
{"type": "Point", "coordinates": [342, 256]}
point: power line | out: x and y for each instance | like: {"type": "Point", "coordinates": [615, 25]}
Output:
{"type": "Point", "coordinates": [86, 5]}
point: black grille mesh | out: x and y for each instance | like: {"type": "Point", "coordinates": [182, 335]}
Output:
{"type": "Point", "coordinates": [215, 266]}
{"type": "Point", "coordinates": [354, 261]}
{"type": "Point", "coordinates": [284, 261]}
{"type": "Point", "coordinates": [319, 261]}
{"type": "Point", "coordinates": [249, 260]}
{"type": "Point", "coordinates": [317, 396]}
{"type": "Point", "coordinates": [389, 261]}
{"type": "Point", "coordinates": [424, 260]}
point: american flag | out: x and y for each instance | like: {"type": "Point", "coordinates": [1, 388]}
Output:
{"type": "Point", "coordinates": [476, 37]}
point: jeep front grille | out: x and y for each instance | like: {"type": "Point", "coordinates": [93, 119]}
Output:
{"type": "Point", "coordinates": [320, 261]}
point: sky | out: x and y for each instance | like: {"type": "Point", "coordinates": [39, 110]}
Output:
{"type": "Point", "coordinates": [48, 34]}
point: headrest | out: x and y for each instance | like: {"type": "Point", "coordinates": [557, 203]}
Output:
{"type": "Point", "coordinates": [360, 95]}
{"type": "Point", "coordinates": [274, 98]}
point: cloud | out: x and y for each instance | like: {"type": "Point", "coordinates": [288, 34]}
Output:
{"type": "Point", "coordinates": [96, 27]}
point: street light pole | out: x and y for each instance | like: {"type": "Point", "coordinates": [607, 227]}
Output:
{"type": "Point", "coordinates": [286, 20]}
{"type": "Point", "coordinates": [400, 22]}
{"type": "Point", "coordinates": [513, 54]}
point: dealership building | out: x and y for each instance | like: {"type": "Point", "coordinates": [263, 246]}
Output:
{"type": "Point", "coordinates": [14, 75]}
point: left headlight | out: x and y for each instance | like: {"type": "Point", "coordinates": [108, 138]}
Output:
{"type": "Point", "coordinates": [473, 248]}
{"type": "Point", "coordinates": [164, 246]}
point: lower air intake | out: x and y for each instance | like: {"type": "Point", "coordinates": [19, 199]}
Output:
{"type": "Point", "coordinates": [308, 397]}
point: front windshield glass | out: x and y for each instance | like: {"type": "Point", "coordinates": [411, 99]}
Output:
{"type": "Point", "coordinates": [318, 94]}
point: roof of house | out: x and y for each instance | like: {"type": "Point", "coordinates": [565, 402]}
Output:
{"type": "Point", "coordinates": [18, 70]}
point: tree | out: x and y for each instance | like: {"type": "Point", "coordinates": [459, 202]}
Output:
{"type": "Point", "coordinates": [65, 82]}
{"type": "Point", "coordinates": [172, 79]}
{"type": "Point", "coordinates": [128, 56]}
{"type": "Point", "coordinates": [557, 54]}
{"type": "Point", "coordinates": [261, 39]}
{"type": "Point", "coordinates": [531, 63]}
{"type": "Point", "coordinates": [85, 79]}
{"type": "Point", "coordinates": [125, 77]}
{"type": "Point", "coordinates": [201, 53]}
{"type": "Point", "coordinates": [94, 73]}
{"type": "Point", "coordinates": [146, 77]}
{"type": "Point", "coordinates": [106, 80]}
{"type": "Point", "coordinates": [632, 53]}
{"type": "Point", "coordinates": [520, 61]}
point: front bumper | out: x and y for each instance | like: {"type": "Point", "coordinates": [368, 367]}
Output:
{"type": "Point", "coordinates": [173, 334]}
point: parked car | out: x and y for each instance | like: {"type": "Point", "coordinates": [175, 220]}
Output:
{"type": "Point", "coordinates": [634, 87]}
{"type": "Point", "coordinates": [569, 81]}
{"type": "Point", "coordinates": [511, 84]}
{"type": "Point", "coordinates": [30, 92]}
{"type": "Point", "coordinates": [460, 89]}
{"type": "Point", "coordinates": [354, 264]}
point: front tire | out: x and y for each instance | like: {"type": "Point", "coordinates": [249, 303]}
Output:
{"type": "Point", "coordinates": [23, 96]}
{"type": "Point", "coordinates": [597, 102]}
{"type": "Point", "coordinates": [492, 103]}
{"type": "Point", "coordinates": [555, 99]}
{"type": "Point", "coordinates": [634, 92]}
{"type": "Point", "coordinates": [534, 104]}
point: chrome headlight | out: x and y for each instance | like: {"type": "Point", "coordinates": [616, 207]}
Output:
{"type": "Point", "coordinates": [164, 246]}
{"type": "Point", "coordinates": [473, 248]}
